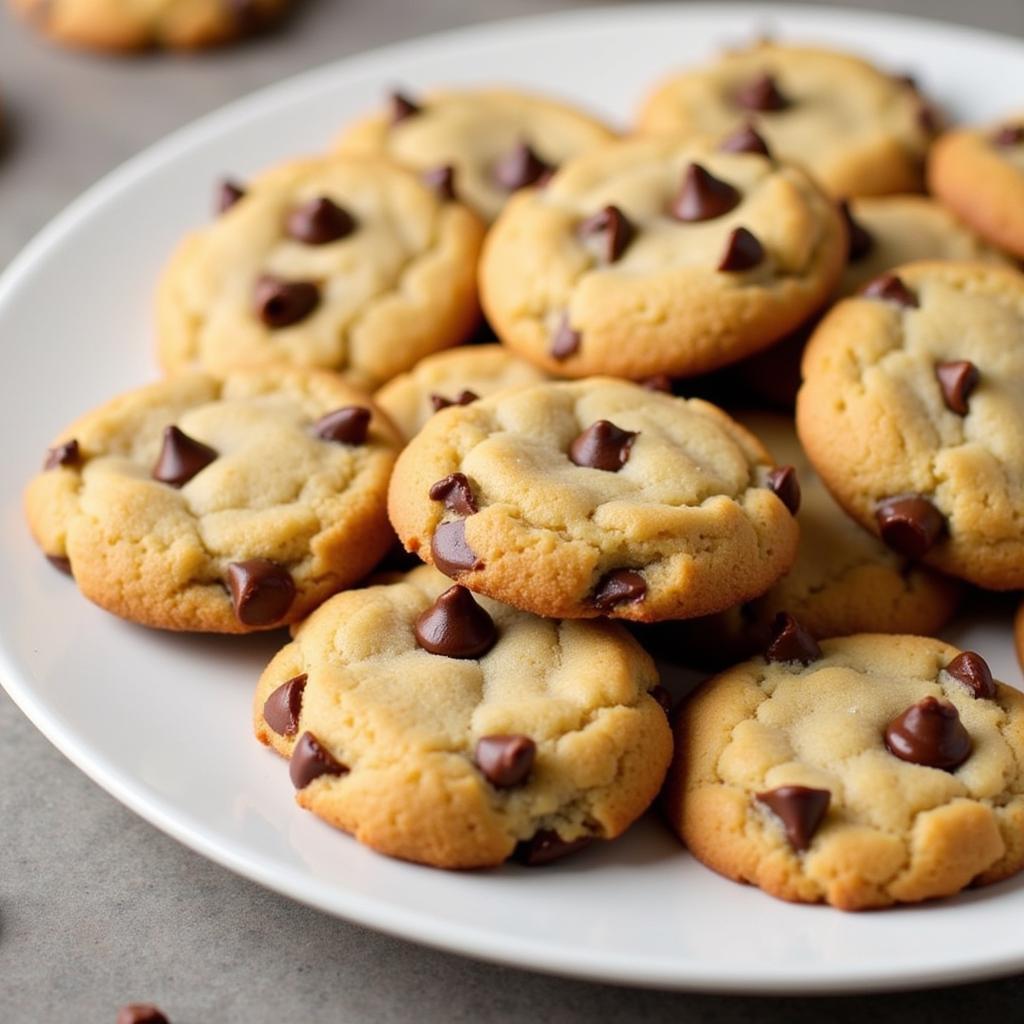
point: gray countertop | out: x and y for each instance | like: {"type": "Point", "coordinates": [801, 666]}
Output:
{"type": "Point", "coordinates": [97, 908]}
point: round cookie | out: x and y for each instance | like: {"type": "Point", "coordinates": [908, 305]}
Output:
{"type": "Point", "coordinates": [655, 256]}
{"type": "Point", "coordinates": [911, 413]}
{"type": "Point", "coordinates": [483, 144]}
{"type": "Point", "coordinates": [596, 497]}
{"type": "Point", "coordinates": [979, 174]}
{"type": "Point", "coordinates": [411, 724]}
{"type": "Point", "coordinates": [349, 264]}
{"type": "Point", "coordinates": [868, 771]}
{"type": "Point", "coordinates": [135, 25]}
{"type": "Point", "coordinates": [219, 505]}
{"type": "Point", "coordinates": [859, 131]}
{"type": "Point", "coordinates": [455, 377]}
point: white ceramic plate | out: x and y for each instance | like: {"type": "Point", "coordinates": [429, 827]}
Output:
{"type": "Point", "coordinates": [162, 721]}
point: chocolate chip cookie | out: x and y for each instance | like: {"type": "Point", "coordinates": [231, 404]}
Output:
{"type": "Point", "coordinates": [910, 411]}
{"type": "Point", "coordinates": [654, 256]}
{"type": "Point", "coordinates": [858, 130]}
{"type": "Point", "coordinates": [349, 264]}
{"type": "Point", "coordinates": [860, 772]}
{"type": "Point", "coordinates": [596, 497]}
{"type": "Point", "coordinates": [410, 722]}
{"type": "Point", "coordinates": [219, 505]}
{"type": "Point", "coordinates": [480, 145]}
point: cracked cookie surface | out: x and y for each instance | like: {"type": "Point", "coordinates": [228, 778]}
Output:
{"type": "Point", "coordinates": [935, 466]}
{"type": "Point", "coordinates": [708, 257]}
{"type": "Point", "coordinates": [680, 523]}
{"type": "Point", "coordinates": [256, 476]}
{"type": "Point", "coordinates": [403, 726]}
{"type": "Point", "coordinates": [889, 830]}
{"type": "Point", "coordinates": [349, 264]}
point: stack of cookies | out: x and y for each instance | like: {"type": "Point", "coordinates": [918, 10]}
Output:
{"type": "Point", "coordinates": [335, 403]}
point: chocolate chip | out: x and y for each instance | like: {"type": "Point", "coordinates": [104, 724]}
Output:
{"type": "Point", "coordinates": [800, 809]}
{"type": "Point", "coordinates": [620, 586]}
{"type": "Point", "coordinates": [450, 550]}
{"type": "Point", "coordinates": [1008, 135]}
{"type": "Point", "coordinates": [456, 626]}
{"type": "Point", "coordinates": [66, 454]}
{"type": "Point", "coordinates": [663, 697]}
{"type": "Point", "coordinates": [744, 140]}
{"type": "Point", "coordinates": [281, 303]}
{"type": "Point", "coordinates": [505, 760]}
{"type": "Point", "coordinates": [909, 524]}
{"type": "Point", "coordinates": [454, 490]}
{"type": "Point", "coordinates": [181, 458]}
{"type": "Point", "coordinates": [860, 240]}
{"type": "Point", "coordinates": [614, 230]}
{"type": "Point", "coordinates": [702, 196]}
{"type": "Point", "coordinates": [319, 222]}
{"type": "Point", "coordinates": [791, 642]}
{"type": "Point", "coordinates": [140, 1013]}
{"type": "Point", "coordinates": [566, 341]}
{"type": "Point", "coordinates": [441, 180]}
{"type": "Point", "coordinates": [400, 107]}
{"type": "Point", "coordinates": [520, 167]}
{"type": "Point", "coordinates": [657, 382]}
{"type": "Point", "coordinates": [251, 16]}
{"type": "Point", "coordinates": [761, 93]}
{"type": "Point", "coordinates": [783, 483]}
{"type": "Point", "coordinates": [890, 288]}
{"type": "Point", "coordinates": [310, 760]}
{"type": "Point", "coordinates": [957, 380]}
{"type": "Point", "coordinates": [348, 425]}
{"type": "Point", "coordinates": [742, 252]}
{"type": "Point", "coordinates": [972, 670]}
{"type": "Point", "coordinates": [281, 709]}
{"type": "Point", "coordinates": [546, 846]}
{"type": "Point", "coordinates": [262, 591]}
{"type": "Point", "coordinates": [228, 193]}
{"type": "Point", "coordinates": [927, 118]}
{"type": "Point", "coordinates": [929, 733]}
{"type": "Point", "coordinates": [61, 563]}
{"type": "Point", "coordinates": [464, 397]}
{"type": "Point", "coordinates": [602, 446]}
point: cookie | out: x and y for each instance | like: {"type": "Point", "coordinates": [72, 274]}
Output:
{"type": "Point", "coordinates": [131, 25]}
{"type": "Point", "coordinates": [219, 505]}
{"type": "Point", "coordinates": [597, 497]}
{"type": "Point", "coordinates": [979, 174]}
{"type": "Point", "coordinates": [479, 144]}
{"type": "Point", "coordinates": [411, 724]}
{"type": "Point", "coordinates": [910, 412]}
{"type": "Point", "coordinates": [1018, 633]}
{"type": "Point", "coordinates": [654, 256]}
{"type": "Point", "coordinates": [866, 771]}
{"type": "Point", "coordinates": [859, 131]}
{"type": "Point", "coordinates": [346, 264]}
{"type": "Point", "coordinates": [456, 377]}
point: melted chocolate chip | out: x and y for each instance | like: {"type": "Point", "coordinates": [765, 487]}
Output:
{"type": "Point", "coordinates": [181, 458]}
{"type": "Point", "coordinates": [702, 196]}
{"type": "Point", "coordinates": [400, 107]}
{"type": "Point", "coordinates": [66, 454]}
{"type": "Point", "coordinates": [860, 240]}
{"type": "Point", "coordinates": [929, 733]}
{"type": "Point", "coordinates": [620, 586]}
{"type": "Point", "coordinates": [546, 846]}
{"type": "Point", "coordinates": [140, 1013]}
{"type": "Point", "coordinates": [61, 563]}
{"type": "Point", "coordinates": [909, 524]}
{"type": "Point", "coordinates": [319, 222]}
{"type": "Point", "coordinates": [228, 193]}
{"type": "Point", "coordinates": [465, 397]}
{"type": "Point", "coordinates": [262, 591]}
{"type": "Point", "coordinates": [613, 228]}
{"type": "Point", "coordinates": [744, 140]}
{"type": "Point", "coordinates": [972, 670]}
{"type": "Point", "coordinates": [505, 760]}
{"type": "Point", "coordinates": [791, 642]}
{"type": "Point", "coordinates": [348, 425]}
{"type": "Point", "coordinates": [310, 760]}
{"type": "Point", "coordinates": [456, 626]}
{"type": "Point", "coordinates": [520, 167]}
{"type": "Point", "coordinates": [762, 94]}
{"type": "Point", "coordinates": [657, 382]}
{"type": "Point", "coordinates": [456, 493]}
{"type": "Point", "coordinates": [566, 341]}
{"type": "Point", "coordinates": [663, 697]}
{"type": "Point", "coordinates": [281, 709]}
{"type": "Point", "coordinates": [742, 252]}
{"type": "Point", "coordinates": [450, 550]}
{"type": "Point", "coordinates": [782, 481]}
{"type": "Point", "coordinates": [890, 288]}
{"type": "Point", "coordinates": [800, 809]}
{"type": "Point", "coordinates": [602, 446]}
{"type": "Point", "coordinates": [283, 303]}
{"type": "Point", "coordinates": [1008, 135]}
{"type": "Point", "coordinates": [957, 380]}
{"type": "Point", "coordinates": [441, 180]}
